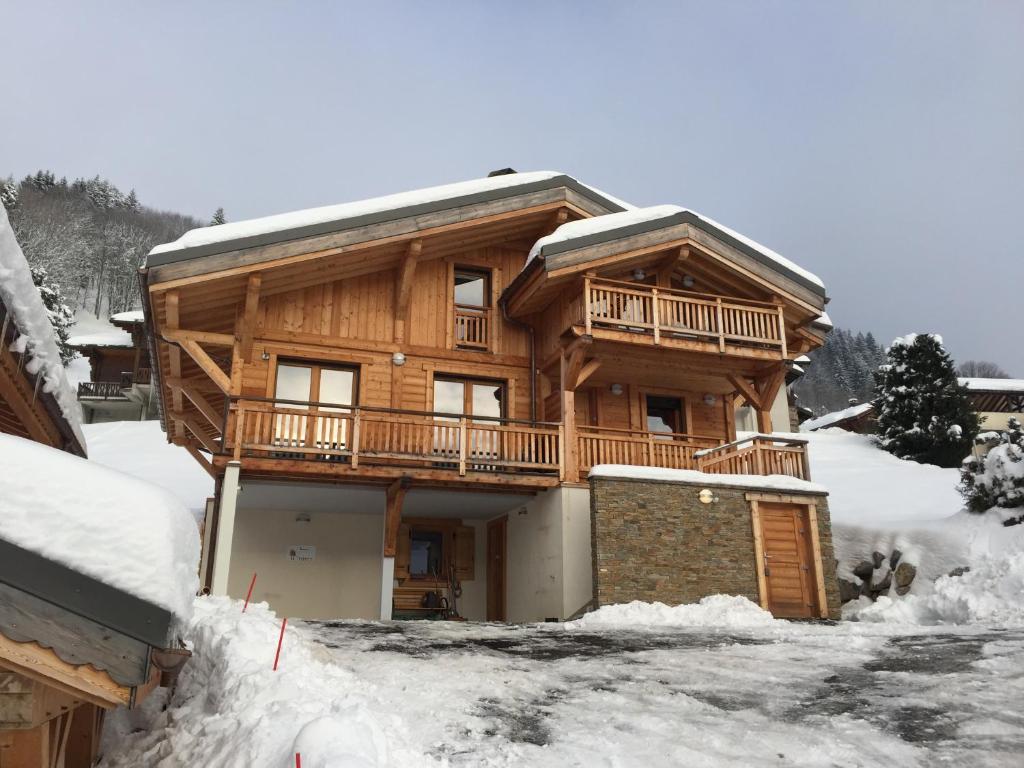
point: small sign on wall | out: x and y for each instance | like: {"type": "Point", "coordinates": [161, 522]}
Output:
{"type": "Point", "coordinates": [302, 552]}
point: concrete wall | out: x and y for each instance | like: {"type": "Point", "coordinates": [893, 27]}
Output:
{"type": "Point", "coordinates": [343, 581]}
{"type": "Point", "coordinates": [473, 603]}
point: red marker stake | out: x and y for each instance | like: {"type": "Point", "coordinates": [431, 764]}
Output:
{"type": "Point", "coordinates": [280, 639]}
{"type": "Point", "coordinates": [249, 593]}
{"type": "Point", "coordinates": [298, 760]}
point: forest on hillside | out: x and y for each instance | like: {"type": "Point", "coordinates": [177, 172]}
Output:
{"type": "Point", "coordinates": [842, 369]}
{"type": "Point", "coordinates": [88, 236]}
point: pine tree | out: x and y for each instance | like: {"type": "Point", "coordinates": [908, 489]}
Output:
{"type": "Point", "coordinates": [61, 317]}
{"type": "Point", "coordinates": [8, 193]}
{"type": "Point", "coordinates": [131, 203]}
{"type": "Point", "coordinates": [997, 479]}
{"type": "Point", "coordinates": [923, 412]}
{"type": "Point", "coordinates": [218, 218]}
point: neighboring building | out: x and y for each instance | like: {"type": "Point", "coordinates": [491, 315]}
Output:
{"type": "Point", "coordinates": [859, 417]}
{"type": "Point", "coordinates": [70, 646]}
{"type": "Point", "coordinates": [996, 401]}
{"type": "Point", "coordinates": [121, 379]}
{"type": "Point", "coordinates": [401, 391]}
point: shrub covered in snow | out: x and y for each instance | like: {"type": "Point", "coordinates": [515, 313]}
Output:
{"type": "Point", "coordinates": [60, 315]}
{"type": "Point", "coordinates": [997, 479]}
{"type": "Point", "coordinates": [923, 411]}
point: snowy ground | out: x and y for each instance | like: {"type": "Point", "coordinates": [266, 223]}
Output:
{"type": "Point", "coordinates": [759, 692]}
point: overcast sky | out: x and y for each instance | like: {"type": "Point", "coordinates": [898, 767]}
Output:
{"type": "Point", "coordinates": [878, 144]}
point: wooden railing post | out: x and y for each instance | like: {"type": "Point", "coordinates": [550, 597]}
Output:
{"type": "Point", "coordinates": [805, 463]}
{"type": "Point", "coordinates": [462, 445]}
{"type": "Point", "coordinates": [586, 305]}
{"type": "Point", "coordinates": [561, 452]}
{"type": "Point", "coordinates": [782, 330]}
{"type": "Point", "coordinates": [758, 457]}
{"type": "Point", "coordinates": [721, 326]}
{"type": "Point", "coordinates": [239, 431]}
{"type": "Point", "coordinates": [355, 437]}
{"type": "Point", "coordinates": [656, 312]}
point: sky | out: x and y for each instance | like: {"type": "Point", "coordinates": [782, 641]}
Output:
{"type": "Point", "coordinates": [878, 144]}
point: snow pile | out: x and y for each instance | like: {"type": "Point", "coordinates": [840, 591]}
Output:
{"type": "Point", "coordinates": [140, 449]}
{"type": "Point", "coordinates": [120, 530]}
{"type": "Point", "coordinates": [232, 710]}
{"type": "Point", "coordinates": [711, 611]}
{"type": "Point", "coordinates": [36, 339]}
{"type": "Point", "coordinates": [774, 482]}
{"type": "Point", "coordinates": [993, 385]}
{"type": "Point", "coordinates": [325, 214]}
{"type": "Point", "coordinates": [584, 227]}
{"type": "Point", "coordinates": [831, 418]}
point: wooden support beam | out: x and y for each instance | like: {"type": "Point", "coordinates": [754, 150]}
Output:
{"type": "Point", "coordinates": [172, 321]}
{"type": "Point", "coordinates": [177, 336]}
{"type": "Point", "coordinates": [393, 514]}
{"type": "Point", "coordinates": [203, 461]}
{"type": "Point", "coordinates": [82, 682]}
{"type": "Point", "coordinates": [745, 388]}
{"type": "Point", "coordinates": [589, 369]}
{"type": "Point", "coordinates": [206, 363]}
{"type": "Point", "coordinates": [248, 323]}
{"type": "Point", "coordinates": [560, 217]}
{"type": "Point", "coordinates": [573, 367]}
{"type": "Point", "coordinates": [403, 288]}
{"type": "Point", "coordinates": [567, 413]}
{"type": "Point", "coordinates": [196, 430]}
{"type": "Point", "coordinates": [187, 387]}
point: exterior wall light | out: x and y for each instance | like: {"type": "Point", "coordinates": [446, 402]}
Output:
{"type": "Point", "coordinates": [616, 389]}
{"type": "Point", "coordinates": [265, 356]}
{"type": "Point", "coordinates": [639, 274]}
{"type": "Point", "coordinates": [709, 399]}
{"type": "Point", "coordinates": [398, 359]}
{"type": "Point", "coordinates": [706, 496]}
{"type": "Point", "coordinates": [303, 518]}
{"type": "Point", "coordinates": [688, 281]}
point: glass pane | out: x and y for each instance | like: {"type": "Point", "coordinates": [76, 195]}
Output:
{"type": "Point", "coordinates": [336, 386]}
{"type": "Point", "coordinates": [449, 396]}
{"type": "Point", "coordinates": [664, 414]}
{"type": "Point", "coordinates": [471, 288]}
{"type": "Point", "coordinates": [487, 400]}
{"type": "Point", "coordinates": [425, 554]}
{"type": "Point", "coordinates": [293, 384]}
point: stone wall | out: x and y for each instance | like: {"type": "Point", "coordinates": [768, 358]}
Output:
{"type": "Point", "coordinates": [654, 540]}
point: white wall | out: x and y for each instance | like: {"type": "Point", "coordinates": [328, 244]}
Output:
{"type": "Point", "coordinates": [343, 581]}
{"type": "Point", "coordinates": [534, 559]}
{"type": "Point", "coordinates": [473, 603]}
{"type": "Point", "coordinates": [577, 568]}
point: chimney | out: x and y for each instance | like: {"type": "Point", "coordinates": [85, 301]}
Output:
{"type": "Point", "coordinates": [501, 172]}
{"type": "Point", "coordinates": [854, 401]}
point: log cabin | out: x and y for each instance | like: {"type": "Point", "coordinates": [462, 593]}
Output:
{"type": "Point", "coordinates": [404, 396]}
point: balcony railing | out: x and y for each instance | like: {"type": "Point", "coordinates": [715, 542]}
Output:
{"type": "Point", "coordinates": [668, 314]}
{"type": "Point", "coordinates": [100, 390]}
{"type": "Point", "coordinates": [757, 455]}
{"type": "Point", "coordinates": [472, 327]}
{"type": "Point", "coordinates": [292, 430]}
{"type": "Point", "coordinates": [604, 445]}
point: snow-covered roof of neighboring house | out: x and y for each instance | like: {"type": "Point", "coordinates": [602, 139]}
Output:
{"type": "Point", "coordinates": [115, 337]}
{"type": "Point", "coordinates": [1009, 386]}
{"type": "Point", "coordinates": [36, 338]}
{"type": "Point", "coordinates": [295, 225]}
{"type": "Point", "coordinates": [830, 419]}
{"type": "Point", "coordinates": [117, 529]}
{"type": "Point", "coordinates": [615, 226]}
{"type": "Point", "coordinates": [132, 316]}
{"type": "Point", "coordinates": [660, 474]}
{"type": "Point", "coordinates": [802, 360]}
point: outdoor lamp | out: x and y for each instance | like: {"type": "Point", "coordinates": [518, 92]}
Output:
{"type": "Point", "coordinates": [398, 359]}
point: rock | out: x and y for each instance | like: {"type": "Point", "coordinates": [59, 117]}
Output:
{"type": "Point", "coordinates": [960, 571]}
{"type": "Point", "coordinates": [848, 591]}
{"type": "Point", "coordinates": [863, 571]}
{"type": "Point", "coordinates": [883, 585]}
{"type": "Point", "coordinates": [879, 558]}
{"type": "Point", "coordinates": [894, 558]}
{"type": "Point", "coordinates": [904, 576]}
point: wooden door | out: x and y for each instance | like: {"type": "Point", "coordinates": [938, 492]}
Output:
{"type": "Point", "coordinates": [496, 536]}
{"type": "Point", "coordinates": [788, 560]}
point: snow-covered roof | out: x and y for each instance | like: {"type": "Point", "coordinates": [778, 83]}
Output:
{"type": "Point", "coordinates": [586, 232]}
{"type": "Point", "coordinates": [835, 417]}
{"type": "Point", "coordinates": [36, 338]}
{"type": "Point", "coordinates": [1010, 386]}
{"type": "Point", "coordinates": [803, 360]}
{"type": "Point", "coordinates": [115, 337]}
{"type": "Point", "coordinates": [288, 226]}
{"type": "Point", "coordinates": [120, 530]}
{"type": "Point", "coordinates": [773, 482]}
{"type": "Point", "coordinates": [823, 321]}
{"type": "Point", "coordinates": [132, 316]}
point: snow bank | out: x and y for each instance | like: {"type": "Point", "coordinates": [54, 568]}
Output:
{"type": "Point", "coordinates": [583, 227]}
{"type": "Point", "coordinates": [831, 418]}
{"type": "Point", "coordinates": [711, 611]}
{"type": "Point", "coordinates": [37, 339]}
{"type": "Point", "coordinates": [140, 449]}
{"type": "Point", "coordinates": [773, 482]}
{"type": "Point", "coordinates": [232, 710]}
{"type": "Point", "coordinates": [120, 530]}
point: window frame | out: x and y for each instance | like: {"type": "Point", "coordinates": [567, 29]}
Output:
{"type": "Point", "coordinates": [467, 395]}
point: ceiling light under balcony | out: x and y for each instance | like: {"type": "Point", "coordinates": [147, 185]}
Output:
{"type": "Point", "coordinates": [639, 274]}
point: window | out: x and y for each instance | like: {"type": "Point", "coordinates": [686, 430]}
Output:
{"type": "Point", "coordinates": [472, 293]}
{"type": "Point", "coordinates": [426, 554]}
{"type": "Point", "coordinates": [298, 386]}
{"type": "Point", "coordinates": [665, 414]}
{"type": "Point", "coordinates": [473, 397]}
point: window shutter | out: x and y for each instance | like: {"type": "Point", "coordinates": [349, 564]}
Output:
{"type": "Point", "coordinates": [465, 552]}
{"type": "Point", "coordinates": [402, 548]}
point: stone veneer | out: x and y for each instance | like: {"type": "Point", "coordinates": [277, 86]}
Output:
{"type": "Point", "coordinates": [654, 540]}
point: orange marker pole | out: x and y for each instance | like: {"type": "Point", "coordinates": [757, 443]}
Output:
{"type": "Point", "coordinates": [249, 593]}
{"type": "Point", "coordinates": [280, 639]}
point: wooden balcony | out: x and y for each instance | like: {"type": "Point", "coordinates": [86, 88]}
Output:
{"type": "Point", "coordinates": [669, 317]}
{"type": "Point", "coordinates": [472, 327]}
{"type": "Point", "coordinates": [375, 443]}
{"type": "Point", "coordinates": [101, 390]}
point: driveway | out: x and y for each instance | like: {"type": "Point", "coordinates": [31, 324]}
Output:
{"type": "Point", "coordinates": [788, 694]}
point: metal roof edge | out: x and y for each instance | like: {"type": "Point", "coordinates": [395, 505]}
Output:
{"type": "Point", "coordinates": [378, 217]}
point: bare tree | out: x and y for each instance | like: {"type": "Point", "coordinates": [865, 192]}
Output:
{"type": "Point", "coordinates": [981, 369]}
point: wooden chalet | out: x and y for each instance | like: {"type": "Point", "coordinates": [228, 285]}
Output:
{"type": "Point", "coordinates": [392, 390]}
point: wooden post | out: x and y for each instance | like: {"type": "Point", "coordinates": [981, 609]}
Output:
{"type": "Point", "coordinates": [355, 437]}
{"type": "Point", "coordinates": [462, 446]}
{"type": "Point", "coordinates": [782, 331]}
{"type": "Point", "coordinates": [721, 327]}
{"type": "Point", "coordinates": [656, 311]}
{"type": "Point", "coordinates": [225, 528]}
{"type": "Point", "coordinates": [586, 305]}
{"type": "Point", "coordinates": [239, 431]}
{"type": "Point", "coordinates": [764, 419]}
{"type": "Point", "coordinates": [568, 417]}
{"type": "Point", "coordinates": [758, 457]}
{"type": "Point", "coordinates": [805, 463]}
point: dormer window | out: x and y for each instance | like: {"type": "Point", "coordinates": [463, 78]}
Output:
{"type": "Point", "coordinates": [472, 308]}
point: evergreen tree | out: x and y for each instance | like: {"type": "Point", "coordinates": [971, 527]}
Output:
{"type": "Point", "coordinates": [997, 479]}
{"type": "Point", "coordinates": [8, 193]}
{"type": "Point", "coordinates": [131, 203]}
{"type": "Point", "coordinates": [923, 412]}
{"type": "Point", "coordinates": [61, 317]}
{"type": "Point", "coordinates": [218, 218]}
